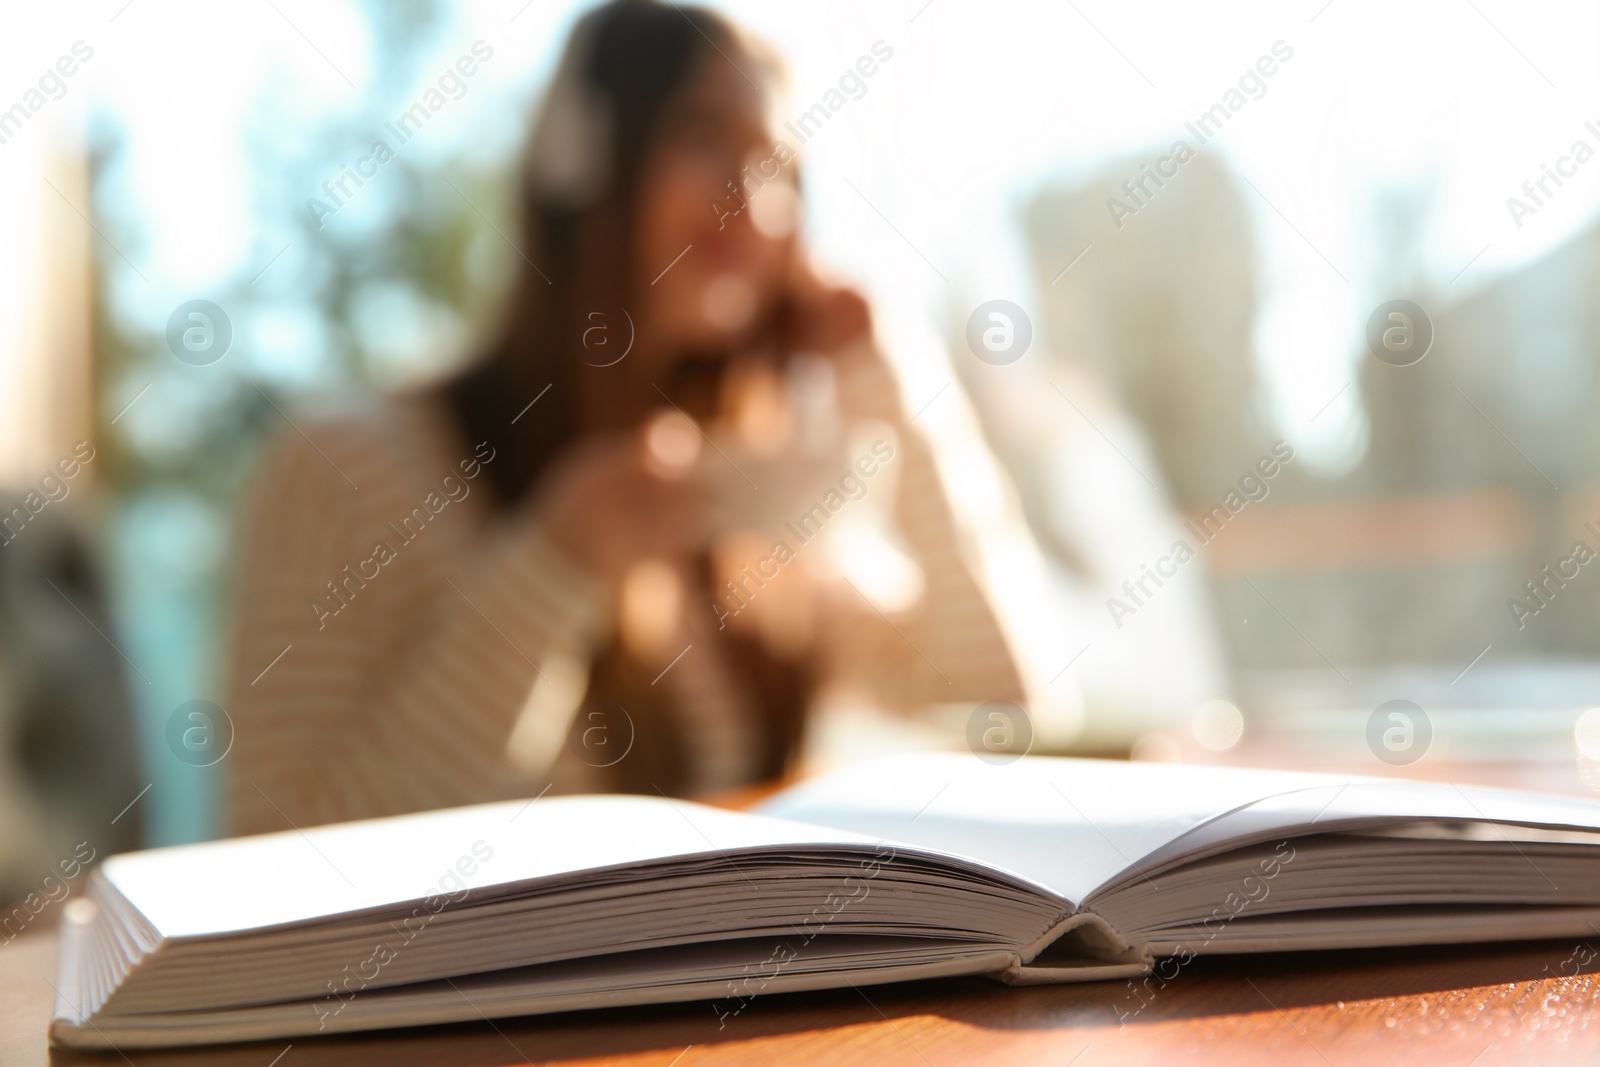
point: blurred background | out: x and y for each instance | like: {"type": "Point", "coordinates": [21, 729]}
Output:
{"type": "Point", "coordinates": [1189, 331]}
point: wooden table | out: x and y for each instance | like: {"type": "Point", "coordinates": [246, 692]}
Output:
{"type": "Point", "coordinates": [1445, 1007]}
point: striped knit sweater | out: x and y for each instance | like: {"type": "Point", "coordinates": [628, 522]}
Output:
{"type": "Point", "coordinates": [390, 624]}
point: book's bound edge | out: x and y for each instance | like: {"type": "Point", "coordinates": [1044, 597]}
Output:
{"type": "Point", "coordinates": [1082, 947]}
{"type": "Point", "coordinates": [1086, 972]}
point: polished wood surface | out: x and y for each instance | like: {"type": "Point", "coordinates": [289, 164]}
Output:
{"type": "Point", "coordinates": [1445, 1007]}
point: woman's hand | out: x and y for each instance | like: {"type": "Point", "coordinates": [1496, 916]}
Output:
{"type": "Point", "coordinates": [616, 501]}
{"type": "Point", "coordinates": [827, 319]}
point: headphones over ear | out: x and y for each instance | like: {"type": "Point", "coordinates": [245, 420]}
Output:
{"type": "Point", "coordinates": [568, 162]}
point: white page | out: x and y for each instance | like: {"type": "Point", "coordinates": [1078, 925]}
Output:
{"type": "Point", "coordinates": [245, 883]}
{"type": "Point", "coordinates": [1334, 804]}
{"type": "Point", "coordinates": [1066, 824]}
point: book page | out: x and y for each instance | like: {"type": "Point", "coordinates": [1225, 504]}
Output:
{"type": "Point", "coordinates": [1331, 804]}
{"type": "Point", "coordinates": [1068, 825]}
{"type": "Point", "coordinates": [244, 883]}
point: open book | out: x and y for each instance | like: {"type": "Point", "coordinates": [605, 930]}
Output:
{"type": "Point", "coordinates": [1044, 870]}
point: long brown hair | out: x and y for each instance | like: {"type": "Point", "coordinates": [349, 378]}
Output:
{"type": "Point", "coordinates": [625, 63]}
{"type": "Point", "coordinates": [629, 59]}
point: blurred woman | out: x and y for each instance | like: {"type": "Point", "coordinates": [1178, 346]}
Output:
{"type": "Point", "coordinates": [563, 569]}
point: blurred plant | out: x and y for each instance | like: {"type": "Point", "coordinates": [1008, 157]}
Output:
{"type": "Point", "coordinates": [380, 296]}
